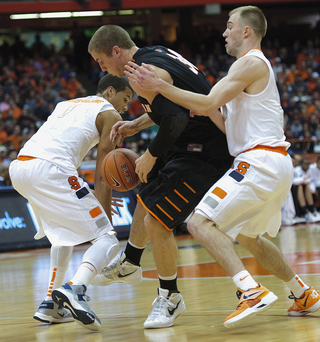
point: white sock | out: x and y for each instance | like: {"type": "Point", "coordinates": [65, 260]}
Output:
{"type": "Point", "coordinates": [133, 245]}
{"type": "Point", "coordinates": [297, 286]}
{"type": "Point", "coordinates": [86, 272]}
{"type": "Point", "coordinates": [59, 260]}
{"type": "Point", "coordinates": [244, 281]}
{"type": "Point", "coordinates": [168, 278]}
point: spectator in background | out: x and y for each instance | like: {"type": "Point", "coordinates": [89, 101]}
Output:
{"type": "Point", "coordinates": [4, 175]}
{"type": "Point", "coordinates": [3, 132]}
{"type": "Point", "coordinates": [15, 137]}
{"type": "Point", "coordinates": [73, 85]}
{"type": "Point", "coordinates": [3, 153]}
{"type": "Point", "coordinates": [296, 126]}
{"type": "Point", "coordinates": [277, 67]}
{"type": "Point", "coordinates": [4, 104]}
{"type": "Point", "coordinates": [314, 174]}
{"type": "Point", "coordinates": [301, 193]}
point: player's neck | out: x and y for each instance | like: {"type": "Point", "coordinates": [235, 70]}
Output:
{"type": "Point", "coordinates": [246, 48]}
{"type": "Point", "coordinates": [132, 51]}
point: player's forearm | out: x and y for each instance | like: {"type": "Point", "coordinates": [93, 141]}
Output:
{"type": "Point", "coordinates": [142, 122]}
{"type": "Point", "coordinates": [103, 194]}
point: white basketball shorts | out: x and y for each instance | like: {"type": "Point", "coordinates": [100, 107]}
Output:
{"type": "Point", "coordinates": [249, 197]}
{"type": "Point", "coordinates": [67, 211]}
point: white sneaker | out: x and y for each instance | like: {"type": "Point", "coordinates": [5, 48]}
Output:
{"type": "Point", "coordinates": [120, 270]}
{"type": "Point", "coordinates": [166, 309]}
{"type": "Point", "coordinates": [312, 217]}
{"type": "Point", "coordinates": [298, 219]}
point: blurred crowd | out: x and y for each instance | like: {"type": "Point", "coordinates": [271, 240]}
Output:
{"type": "Point", "coordinates": [33, 80]}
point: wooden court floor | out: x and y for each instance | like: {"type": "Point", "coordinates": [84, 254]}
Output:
{"type": "Point", "coordinates": [208, 293]}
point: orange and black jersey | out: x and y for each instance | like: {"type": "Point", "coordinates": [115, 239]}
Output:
{"type": "Point", "coordinates": [197, 136]}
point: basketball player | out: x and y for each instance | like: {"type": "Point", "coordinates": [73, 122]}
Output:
{"type": "Point", "coordinates": [171, 188]}
{"type": "Point", "coordinates": [67, 211]}
{"type": "Point", "coordinates": [246, 202]}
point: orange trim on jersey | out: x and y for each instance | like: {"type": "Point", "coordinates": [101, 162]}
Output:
{"type": "Point", "coordinates": [24, 158]}
{"type": "Point", "coordinates": [95, 212]}
{"type": "Point", "coordinates": [172, 204]}
{"type": "Point", "coordinates": [149, 211]}
{"type": "Point", "coordinates": [251, 50]}
{"type": "Point", "coordinates": [189, 187]}
{"type": "Point", "coordinates": [158, 206]}
{"type": "Point", "coordinates": [278, 149]}
{"type": "Point", "coordinates": [178, 193]}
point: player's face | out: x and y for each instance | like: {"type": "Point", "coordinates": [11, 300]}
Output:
{"type": "Point", "coordinates": [112, 65]}
{"type": "Point", "coordinates": [233, 35]}
{"type": "Point", "coordinates": [121, 100]}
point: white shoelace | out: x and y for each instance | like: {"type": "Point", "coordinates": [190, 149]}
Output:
{"type": "Point", "coordinates": [160, 303]}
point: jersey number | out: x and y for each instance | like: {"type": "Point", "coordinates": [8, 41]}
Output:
{"type": "Point", "coordinates": [175, 55]}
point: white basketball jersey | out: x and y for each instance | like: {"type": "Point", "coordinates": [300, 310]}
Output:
{"type": "Point", "coordinates": [252, 120]}
{"type": "Point", "coordinates": [69, 133]}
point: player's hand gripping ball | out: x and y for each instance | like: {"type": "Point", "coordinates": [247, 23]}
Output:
{"type": "Point", "coordinates": [118, 169]}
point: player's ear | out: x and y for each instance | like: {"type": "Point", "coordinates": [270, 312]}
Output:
{"type": "Point", "coordinates": [110, 92]}
{"type": "Point", "coordinates": [116, 50]}
{"type": "Point", "coordinates": [247, 31]}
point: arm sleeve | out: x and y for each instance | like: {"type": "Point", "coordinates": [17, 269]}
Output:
{"type": "Point", "coordinates": [174, 120]}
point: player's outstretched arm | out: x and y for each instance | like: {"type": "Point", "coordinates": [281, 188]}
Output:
{"type": "Point", "coordinates": [104, 122]}
{"type": "Point", "coordinates": [243, 73]}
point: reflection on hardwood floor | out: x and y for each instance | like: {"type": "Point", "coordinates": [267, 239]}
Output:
{"type": "Point", "coordinates": [208, 292]}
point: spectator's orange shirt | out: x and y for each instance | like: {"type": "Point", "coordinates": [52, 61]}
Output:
{"type": "Point", "coordinates": [310, 110]}
{"type": "Point", "coordinates": [3, 136]}
{"type": "Point", "coordinates": [135, 108]}
{"type": "Point", "coordinates": [73, 88]}
{"type": "Point", "coordinates": [311, 85]}
{"type": "Point", "coordinates": [16, 113]}
{"type": "Point", "coordinates": [291, 77]}
{"type": "Point", "coordinates": [15, 140]}
{"type": "Point", "coordinates": [304, 74]}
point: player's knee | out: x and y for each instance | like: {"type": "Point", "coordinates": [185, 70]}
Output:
{"type": "Point", "coordinates": [195, 223]}
{"type": "Point", "coordinates": [154, 228]}
{"type": "Point", "coordinates": [107, 245]}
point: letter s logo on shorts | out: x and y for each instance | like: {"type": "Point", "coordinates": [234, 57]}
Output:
{"type": "Point", "coordinates": [243, 168]}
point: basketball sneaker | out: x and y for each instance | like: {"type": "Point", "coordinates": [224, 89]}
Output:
{"type": "Point", "coordinates": [309, 302]}
{"type": "Point", "coordinates": [73, 298]}
{"type": "Point", "coordinates": [120, 270]}
{"type": "Point", "coordinates": [50, 312]}
{"type": "Point", "coordinates": [251, 302]}
{"type": "Point", "coordinates": [166, 308]}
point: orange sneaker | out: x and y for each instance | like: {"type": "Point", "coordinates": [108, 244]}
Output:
{"type": "Point", "coordinates": [310, 302]}
{"type": "Point", "coordinates": [252, 302]}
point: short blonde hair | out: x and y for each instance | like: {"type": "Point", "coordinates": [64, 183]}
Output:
{"type": "Point", "coordinates": [253, 17]}
{"type": "Point", "coordinates": [108, 36]}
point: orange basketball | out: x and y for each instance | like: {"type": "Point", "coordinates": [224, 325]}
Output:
{"type": "Point", "coordinates": [118, 169]}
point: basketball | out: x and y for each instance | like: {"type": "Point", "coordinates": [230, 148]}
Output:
{"type": "Point", "coordinates": [118, 169]}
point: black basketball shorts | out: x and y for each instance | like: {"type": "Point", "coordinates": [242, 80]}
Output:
{"type": "Point", "coordinates": [174, 190]}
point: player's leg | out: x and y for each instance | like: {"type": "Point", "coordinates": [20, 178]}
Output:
{"type": "Point", "coordinates": [306, 298]}
{"type": "Point", "coordinates": [49, 311]}
{"type": "Point", "coordinates": [253, 297]}
{"type": "Point", "coordinates": [125, 268]}
{"type": "Point", "coordinates": [169, 304]}
{"type": "Point", "coordinates": [72, 294]}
